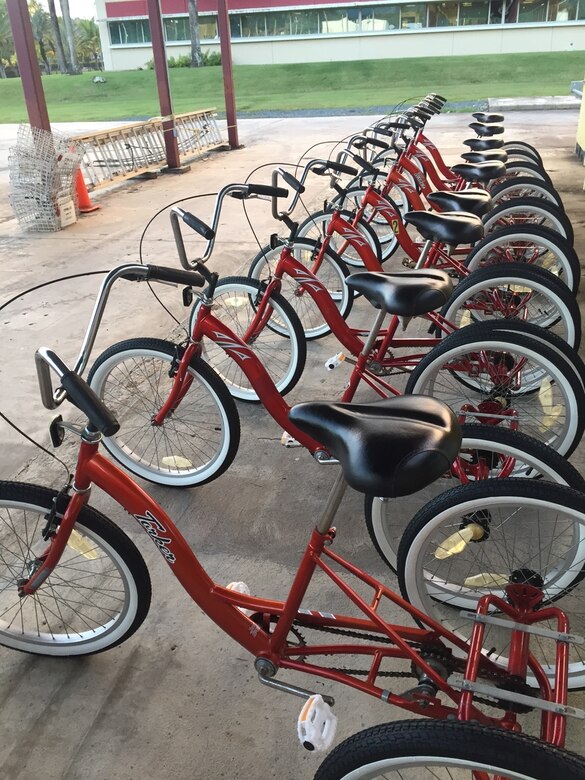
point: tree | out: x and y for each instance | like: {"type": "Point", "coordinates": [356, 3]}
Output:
{"type": "Point", "coordinates": [41, 30]}
{"type": "Point", "coordinates": [196, 57]}
{"type": "Point", "coordinates": [87, 35]}
{"type": "Point", "coordinates": [62, 63]}
{"type": "Point", "coordinates": [70, 35]}
{"type": "Point", "coordinates": [6, 42]}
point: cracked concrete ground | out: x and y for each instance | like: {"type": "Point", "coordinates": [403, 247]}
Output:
{"type": "Point", "coordinates": [178, 699]}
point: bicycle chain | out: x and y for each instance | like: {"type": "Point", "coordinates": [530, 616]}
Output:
{"type": "Point", "coordinates": [452, 664]}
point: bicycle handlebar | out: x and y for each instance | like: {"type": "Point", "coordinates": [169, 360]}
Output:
{"type": "Point", "coordinates": [320, 167]}
{"type": "Point", "coordinates": [75, 389]}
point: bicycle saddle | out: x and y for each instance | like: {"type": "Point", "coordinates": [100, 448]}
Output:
{"type": "Point", "coordinates": [449, 228]}
{"type": "Point", "coordinates": [479, 171]}
{"type": "Point", "coordinates": [481, 116]}
{"type": "Point", "coordinates": [476, 202]}
{"type": "Point", "coordinates": [490, 155]}
{"type": "Point", "coordinates": [406, 293]}
{"type": "Point", "coordinates": [392, 447]}
{"type": "Point", "coordinates": [484, 130]}
{"type": "Point", "coordinates": [484, 144]}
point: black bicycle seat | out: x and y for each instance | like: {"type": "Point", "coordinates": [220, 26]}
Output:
{"type": "Point", "coordinates": [483, 144]}
{"type": "Point", "coordinates": [406, 293]}
{"type": "Point", "coordinates": [483, 130]}
{"type": "Point", "coordinates": [476, 202]}
{"type": "Point", "coordinates": [450, 228]}
{"type": "Point", "coordinates": [388, 448]}
{"type": "Point", "coordinates": [479, 171]}
{"type": "Point", "coordinates": [490, 155]}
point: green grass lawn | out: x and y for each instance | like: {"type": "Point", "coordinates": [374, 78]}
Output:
{"type": "Point", "coordinates": [132, 94]}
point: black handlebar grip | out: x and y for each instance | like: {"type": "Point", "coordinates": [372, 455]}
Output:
{"type": "Point", "coordinates": [366, 165]}
{"type": "Point", "coordinates": [292, 182]}
{"type": "Point", "coordinates": [339, 168]}
{"type": "Point", "coordinates": [198, 225]}
{"type": "Point", "coordinates": [83, 397]}
{"type": "Point", "coordinates": [175, 275]}
{"type": "Point", "coordinates": [265, 189]}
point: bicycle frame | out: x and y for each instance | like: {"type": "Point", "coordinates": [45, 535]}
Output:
{"type": "Point", "coordinates": [270, 648]}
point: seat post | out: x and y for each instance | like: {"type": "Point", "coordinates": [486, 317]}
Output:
{"type": "Point", "coordinates": [424, 254]}
{"type": "Point", "coordinates": [373, 334]}
{"type": "Point", "coordinates": [335, 495]}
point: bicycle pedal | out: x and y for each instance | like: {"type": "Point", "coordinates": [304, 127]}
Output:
{"type": "Point", "coordinates": [334, 361]}
{"type": "Point", "coordinates": [240, 587]}
{"type": "Point", "coordinates": [288, 441]}
{"type": "Point", "coordinates": [317, 724]}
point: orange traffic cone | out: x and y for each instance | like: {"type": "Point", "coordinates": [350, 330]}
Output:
{"type": "Point", "coordinates": [85, 204]}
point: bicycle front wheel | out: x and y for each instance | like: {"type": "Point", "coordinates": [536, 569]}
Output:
{"type": "Point", "coordinates": [315, 228]}
{"type": "Point", "coordinates": [328, 267]}
{"type": "Point", "coordinates": [278, 343]}
{"type": "Point", "coordinates": [522, 528]}
{"type": "Point", "coordinates": [197, 440]}
{"type": "Point", "coordinates": [487, 452]}
{"type": "Point", "coordinates": [446, 750]}
{"type": "Point", "coordinates": [96, 597]}
{"type": "Point", "coordinates": [508, 379]}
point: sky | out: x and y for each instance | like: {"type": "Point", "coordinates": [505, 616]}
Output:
{"type": "Point", "coordinates": [79, 9]}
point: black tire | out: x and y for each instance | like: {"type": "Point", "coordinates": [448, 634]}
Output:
{"type": "Point", "coordinates": [198, 441]}
{"type": "Point", "coordinates": [529, 212]}
{"type": "Point", "coordinates": [332, 272]}
{"type": "Point", "coordinates": [314, 227]}
{"type": "Point", "coordinates": [280, 345]}
{"type": "Point", "coordinates": [524, 524]}
{"type": "Point", "coordinates": [524, 148]}
{"type": "Point", "coordinates": [388, 750]}
{"type": "Point", "coordinates": [97, 596]}
{"type": "Point", "coordinates": [516, 291]}
{"type": "Point", "coordinates": [527, 169]}
{"type": "Point", "coordinates": [487, 452]}
{"type": "Point", "coordinates": [489, 375]}
{"type": "Point", "coordinates": [531, 245]}
{"type": "Point", "coordinates": [525, 187]}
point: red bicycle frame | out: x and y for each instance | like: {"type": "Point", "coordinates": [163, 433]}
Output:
{"type": "Point", "coordinates": [226, 608]}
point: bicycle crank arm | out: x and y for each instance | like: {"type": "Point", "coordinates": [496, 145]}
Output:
{"type": "Point", "coordinates": [265, 672]}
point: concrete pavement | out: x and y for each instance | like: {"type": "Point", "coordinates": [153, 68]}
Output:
{"type": "Point", "coordinates": [178, 699]}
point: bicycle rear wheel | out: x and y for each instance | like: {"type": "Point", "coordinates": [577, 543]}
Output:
{"type": "Point", "coordinates": [531, 245]}
{"type": "Point", "coordinates": [487, 452]}
{"type": "Point", "coordinates": [522, 187]}
{"type": "Point", "coordinates": [446, 750]}
{"type": "Point", "coordinates": [96, 597]}
{"type": "Point", "coordinates": [531, 529]}
{"type": "Point", "coordinates": [505, 378]}
{"type": "Point", "coordinates": [529, 211]}
{"type": "Point", "coordinates": [195, 443]}
{"type": "Point", "coordinates": [516, 292]}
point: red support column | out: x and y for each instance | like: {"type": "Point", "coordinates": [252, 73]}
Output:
{"type": "Point", "coordinates": [225, 44]}
{"type": "Point", "coordinates": [162, 83]}
{"type": "Point", "coordinates": [28, 64]}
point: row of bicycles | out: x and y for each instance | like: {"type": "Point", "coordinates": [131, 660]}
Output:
{"type": "Point", "coordinates": [477, 409]}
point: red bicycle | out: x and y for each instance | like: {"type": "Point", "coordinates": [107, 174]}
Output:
{"type": "Point", "coordinates": [70, 567]}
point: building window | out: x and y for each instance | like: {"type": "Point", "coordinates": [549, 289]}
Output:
{"type": "Point", "coordinates": [413, 16]}
{"type": "Point", "coordinates": [177, 29]}
{"type": "Point", "coordinates": [129, 31]}
{"type": "Point", "coordinates": [532, 11]}
{"type": "Point", "coordinates": [443, 14]}
{"type": "Point", "coordinates": [562, 10]}
{"type": "Point", "coordinates": [208, 27]}
{"type": "Point", "coordinates": [473, 13]}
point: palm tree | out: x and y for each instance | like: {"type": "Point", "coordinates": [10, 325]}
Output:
{"type": "Point", "coordinates": [6, 42]}
{"type": "Point", "coordinates": [62, 63]}
{"type": "Point", "coordinates": [87, 35]}
{"type": "Point", "coordinates": [196, 58]}
{"type": "Point", "coordinates": [41, 27]}
{"type": "Point", "coordinates": [70, 35]}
